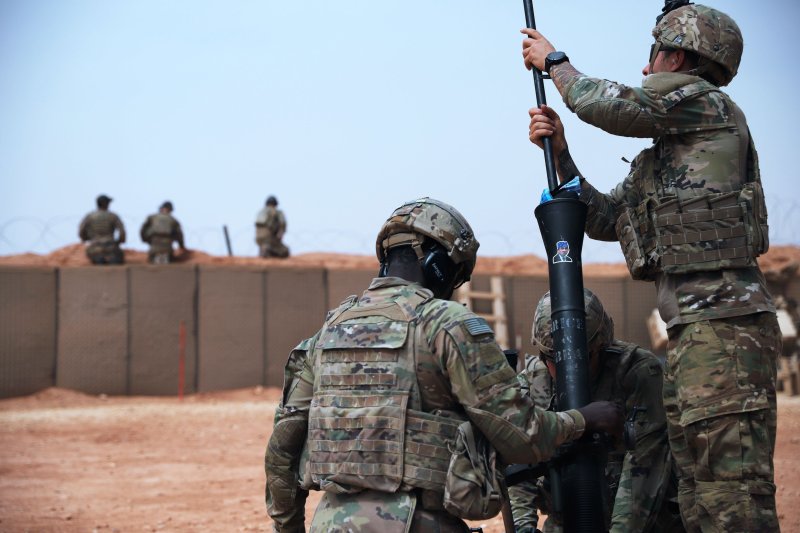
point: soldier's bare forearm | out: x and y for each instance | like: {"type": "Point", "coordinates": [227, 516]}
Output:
{"type": "Point", "coordinates": [567, 169]}
{"type": "Point", "coordinates": [562, 74]}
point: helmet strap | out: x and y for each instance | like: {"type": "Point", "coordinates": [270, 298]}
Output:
{"type": "Point", "coordinates": [654, 53]}
{"type": "Point", "coordinates": [460, 277]}
{"type": "Point", "coordinates": [544, 351]}
{"type": "Point", "coordinates": [698, 71]}
{"type": "Point", "coordinates": [416, 245]}
{"type": "Point", "coordinates": [710, 71]}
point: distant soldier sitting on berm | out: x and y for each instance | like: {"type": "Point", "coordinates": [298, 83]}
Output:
{"type": "Point", "coordinates": [270, 228]}
{"type": "Point", "coordinates": [98, 228]}
{"type": "Point", "coordinates": [160, 231]}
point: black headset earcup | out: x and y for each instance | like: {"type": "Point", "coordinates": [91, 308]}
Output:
{"type": "Point", "coordinates": [438, 270]}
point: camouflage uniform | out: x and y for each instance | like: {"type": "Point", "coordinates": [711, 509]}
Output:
{"type": "Point", "coordinates": [401, 407]}
{"type": "Point", "coordinates": [641, 481]}
{"type": "Point", "coordinates": [459, 373]}
{"type": "Point", "coordinates": [98, 227]}
{"type": "Point", "coordinates": [160, 231]}
{"type": "Point", "coordinates": [719, 392]}
{"type": "Point", "coordinates": [270, 228]}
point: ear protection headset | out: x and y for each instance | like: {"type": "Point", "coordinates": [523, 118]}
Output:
{"type": "Point", "coordinates": [439, 270]}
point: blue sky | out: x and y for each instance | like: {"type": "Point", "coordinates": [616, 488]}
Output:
{"type": "Point", "coordinates": [343, 110]}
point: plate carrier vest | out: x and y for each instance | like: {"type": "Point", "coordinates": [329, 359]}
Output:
{"type": "Point", "coordinates": [366, 429]}
{"type": "Point", "coordinates": [713, 231]}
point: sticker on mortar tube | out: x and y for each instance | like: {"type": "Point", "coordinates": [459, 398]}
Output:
{"type": "Point", "coordinates": [562, 253]}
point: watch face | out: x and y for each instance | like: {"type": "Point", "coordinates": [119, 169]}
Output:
{"type": "Point", "coordinates": [554, 58]}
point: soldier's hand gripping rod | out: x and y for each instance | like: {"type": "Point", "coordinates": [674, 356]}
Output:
{"type": "Point", "coordinates": [538, 85]}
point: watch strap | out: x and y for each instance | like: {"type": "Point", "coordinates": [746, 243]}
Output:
{"type": "Point", "coordinates": [553, 59]}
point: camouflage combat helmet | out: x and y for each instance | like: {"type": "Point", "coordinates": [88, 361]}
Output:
{"type": "Point", "coordinates": [711, 34]}
{"type": "Point", "coordinates": [414, 221]}
{"type": "Point", "coordinates": [599, 326]}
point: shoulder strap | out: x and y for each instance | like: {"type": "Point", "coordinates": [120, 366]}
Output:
{"type": "Point", "coordinates": [623, 351]}
{"type": "Point", "coordinates": [346, 304]}
{"type": "Point", "coordinates": [747, 154]}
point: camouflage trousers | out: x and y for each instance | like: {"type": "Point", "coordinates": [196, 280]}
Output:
{"type": "Point", "coordinates": [719, 395]}
{"type": "Point", "coordinates": [525, 499]}
{"type": "Point", "coordinates": [373, 511]}
{"type": "Point", "coordinates": [160, 250]}
{"type": "Point", "coordinates": [270, 245]}
{"type": "Point", "coordinates": [105, 252]}
{"type": "Point", "coordinates": [273, 249]}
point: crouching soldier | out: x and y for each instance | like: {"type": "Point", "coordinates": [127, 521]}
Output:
{"type": "Point", "coordinates": [641, 483]}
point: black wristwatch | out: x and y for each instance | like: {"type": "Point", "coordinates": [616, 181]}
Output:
{"type": "Point", "coordinates": [554, 58]}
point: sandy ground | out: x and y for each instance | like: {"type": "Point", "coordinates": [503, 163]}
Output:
{"type": "Point", "coordinates": [70, 462]}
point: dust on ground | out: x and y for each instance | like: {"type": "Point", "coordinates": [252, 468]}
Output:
{"type": "Point", "coordinates": [72, 462]}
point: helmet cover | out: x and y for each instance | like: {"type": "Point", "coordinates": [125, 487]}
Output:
{"type": "Point", "coordinates": [599, 326]}
{"type": "Point", "coordinates": [434, 219]}
{"type": "Point", "coordinates": [709, 33]}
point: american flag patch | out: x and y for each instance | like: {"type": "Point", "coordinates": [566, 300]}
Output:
{"type": "Point", "coordinates": [477, 326]}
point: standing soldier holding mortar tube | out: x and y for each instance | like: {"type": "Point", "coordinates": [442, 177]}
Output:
{"type": "Point", "coordinates": [691, 217]}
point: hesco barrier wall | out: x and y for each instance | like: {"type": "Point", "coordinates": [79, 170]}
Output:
{"type": "Point", "coordinates": [93, 350]}
{"type": "Point", "coordinates": [115, 330]}
{"type": "Point", "coordinates": [160, 300]}
{"type": "Point", "coordinates": [27, 330]}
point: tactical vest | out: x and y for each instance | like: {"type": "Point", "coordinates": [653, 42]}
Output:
{"type": "Point", "coordinates": [160, 226]}
{"type": "Point", "coordinates": [366, 429]}
{"type": "Point", "coordinates": [271, 219]}
{"type": "Point", "coordinates": [673, 234]}
{"type": "Point", "coordinates": [261, 218]}
{"type": "Point", "coordinates": [268, 223]}
{"type": "Point", "coordinates": [100, 226]}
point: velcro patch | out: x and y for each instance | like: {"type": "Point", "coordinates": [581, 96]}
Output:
{"type": "Point", "coordinates": [477, 326]}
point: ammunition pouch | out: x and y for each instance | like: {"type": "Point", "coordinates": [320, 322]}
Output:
{"type": "Point", "coordinates": [396, 448]}
{"type": "Point", "coordinates": [473, 488]}
{"type": "Point", "coordinates": [637, 239]}
{"type": "Point", "coordinates": [709, 232]}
